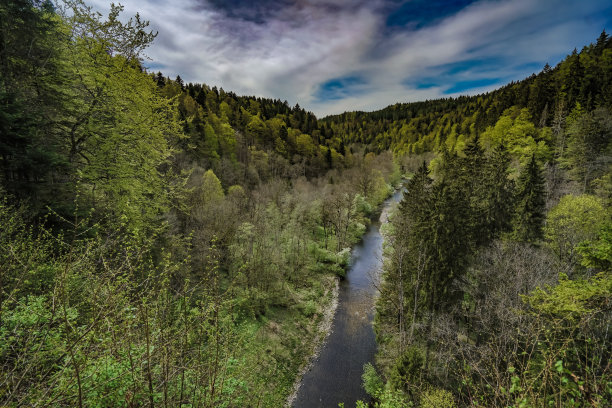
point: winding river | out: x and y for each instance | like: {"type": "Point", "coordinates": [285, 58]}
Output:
{"type": "Point", "coordinates": [335, 375]}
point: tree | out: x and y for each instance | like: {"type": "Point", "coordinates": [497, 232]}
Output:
{"type": "Point", "coordinates": [576, 219]}
{"type": "Point", "coordinates": [499, 191]}
{"type": "Point", "coordinates": [120, 126]}
{"type": "Point", "coordinates": [33, 95]}
{"type": "Point", "coordinates": [589, 147]}
{"type": "Point", "coordinates": [468, 175]}
{"type": "Point", "coordinates": [529, 211]}
{"type": "Point", "coordinates": [519, 135]}
{"type": "Point", "coordinates": [597, 253]}
{"type": "Point", "coordinates": [411, 255]}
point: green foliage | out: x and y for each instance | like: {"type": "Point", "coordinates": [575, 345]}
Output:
{"type": "Point", "coordinates": [517, 114]}
{"type": "Point", "coordinates": [567, 362]}
{"type": "Point", "coordinates": [588, 148]}
{"type": "Point", "coordinates": [372, 383]}
{"type": "Point", "coordinates": [388, 399]}
{"type": "Point", "coordinates": [529, 213]}
{"type": "Point", "coordinates": [147, 285]}
{"type": "Point", "coordinates": [360, 205]}
{"type": "Point", "coordinates": [31, 94]}
{"type": "Point", "coordinates": [451, 289]}
{"type": "Point", "coordinates": [437, 398]}
{"type": "Point", "coordinates": [308, 309]}
{"type": "Point", "coordinates": [407, 370]}
{"type": "Point", "coordinates": [519, 135]}
{"type": "Point", "coordinates": [153, 286]}
{"type": "Point", "coordinates": [574, 220]}
{"type": "Point", "coordinates": [212, 190]}
{"type": "Point", "coordinates": [572, 299]}
{"type": "Point", "coordinates": [598, 252]}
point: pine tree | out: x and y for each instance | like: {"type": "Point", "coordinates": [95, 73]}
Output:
{"type": "Point", "coordinates": [468, 179]}
{"type": "Point", "coordinates": [601, 43]}
{"type": "Point", "coordinates": [529, 212]}
{"type": "Point", "coordinates": [328, 157]}
{"type": "Point", "coordinates": [499, 192]}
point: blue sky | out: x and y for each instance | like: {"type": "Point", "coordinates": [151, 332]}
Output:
{"type": "Point", "coordinates": [331, 56]}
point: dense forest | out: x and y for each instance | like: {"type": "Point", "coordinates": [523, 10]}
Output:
{"type": "Point", "coordinates": [162, 244]}
{"type": "Point", "coordinates": [582, 78]}
{"type": "Point", "coordinates": [172, 244]}
{"type": "Point", "coordinates": [497, 285]}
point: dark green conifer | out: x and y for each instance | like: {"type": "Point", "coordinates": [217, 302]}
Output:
{"type": "Point", "coordinates": [328, 157]}
{"type": "Point", "coordinates": [467, 177]}
{"type": "Point", "coordinates": [530, 207]}
{"type": "Point", "coordinates": [601, 43]}
{"type": "Point", "coordinates": [499, 192]}
{"type": "Point", "coordinates": [416, 205]}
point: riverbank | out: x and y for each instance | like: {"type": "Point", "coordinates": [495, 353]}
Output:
{"type": "Point", "coordinates": [335, 375]}
{"type": "Point", "coordinates": [323, 331]}
{"type": "Point", "coordinates": [325, 325]}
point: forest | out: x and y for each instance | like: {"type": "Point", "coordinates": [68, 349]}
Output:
{"type": "Point", "coordinates": [163, 244]}
{"type": "Point", "coordinates": [497, 282]}
{"type": "Point", "coordinates": [174, 244]}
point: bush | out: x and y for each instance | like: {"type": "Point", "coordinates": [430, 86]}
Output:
{"type": "Point", "coordinates": [308, 309]}
{"type": "Point", "coordinates": [343, 257]}
{"type": "Point", "coordinates": [361, 206]}
{"type": "Point", "coordinates": [437, 398]}
{"type": "Point", "coordinates": [407, 369]}
{"type": "Point", "coordinates": [372, 383]}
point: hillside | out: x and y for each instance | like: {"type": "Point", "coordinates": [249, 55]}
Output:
{"type": "Point", "coordinates": [161, 243]}
{"type": "Point", "coordinates": [496, 288]}
{"type": "Point", "coordinates": [412, 128]}
{"type": "Point", "coordinates": [172, 244]}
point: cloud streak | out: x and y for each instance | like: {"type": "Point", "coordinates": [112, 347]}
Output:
{"type": "Point", "coordinates": [337, 55]}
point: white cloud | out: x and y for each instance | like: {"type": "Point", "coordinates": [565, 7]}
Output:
{"type": "Point", "coordinates": [292, 53]}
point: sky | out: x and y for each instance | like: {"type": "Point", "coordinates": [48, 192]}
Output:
{"type": "Point", "coordinates": [332, 56]}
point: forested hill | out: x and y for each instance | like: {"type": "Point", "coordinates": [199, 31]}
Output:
{"type": "Point", "coordinates": [224, 130]}
{"type": "Point", "coordinates": [171, 244]}
{"type": "Point", "coordinates": [583, 77]}
{"type": "Point", "coordinates": [161, 244]}
{"type": "Point", "coordinates": [497, 286]}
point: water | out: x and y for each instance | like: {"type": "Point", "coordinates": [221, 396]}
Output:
{"type": "Point", "coordinates": [336, 374]}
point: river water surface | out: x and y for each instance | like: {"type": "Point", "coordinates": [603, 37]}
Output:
{"type": "Point", "coordinates": [336, 374]}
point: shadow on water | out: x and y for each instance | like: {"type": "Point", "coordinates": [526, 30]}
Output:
{"type": "Point", "coordinates": [336, 374]}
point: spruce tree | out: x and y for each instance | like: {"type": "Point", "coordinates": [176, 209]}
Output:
{"type": "Point", "coordinates": [415, 205]}
{"type": "Point", "coordinates": [328, 158]}
{"type": "Point", "coordinates": [499, 192]}
{"type": "Point", "coordinates": [529, 212]}
{"type": "Point", "coordinates": [468, 180]}
{"type": "Point", "coordinates": [409, 274]}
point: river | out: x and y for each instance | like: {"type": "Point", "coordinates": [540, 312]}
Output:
{"type": "Point", "coordinates": [335, 375]}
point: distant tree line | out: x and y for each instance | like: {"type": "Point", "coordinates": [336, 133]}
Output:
{"type": "Point", "coordinates": [581, 78]}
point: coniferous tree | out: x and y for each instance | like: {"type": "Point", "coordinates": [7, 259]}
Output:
{"type": "Point", "coordinates": [601, 43]}
{"type": "Point", "coordinates": [589, 146]}
{"type": "Point", "coordinates": [530, 206]}
{"type": "Point", "coordinates": [32, 99]}
{"type": "Point", "coordinates": [499, 192]}
{"type": "Point", "coordinates": [469, 178]}
{"type": "Point", "coordinates": [408, 273]}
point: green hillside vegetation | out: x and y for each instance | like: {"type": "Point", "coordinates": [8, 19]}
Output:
{"type": "Point", "coordinates": [171, 244]}
{"type": "Point", "coordinates": [543, 100]}
{"type": "Point", "coordinates": [162, 244]}
{"type": "Point", "coordinates": [497, 283]}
